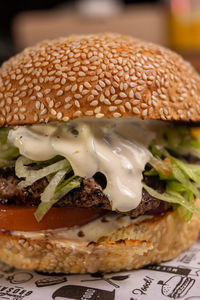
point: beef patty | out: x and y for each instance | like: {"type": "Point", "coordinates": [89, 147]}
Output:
{"type": "Point", "coordinates": [89, 194]}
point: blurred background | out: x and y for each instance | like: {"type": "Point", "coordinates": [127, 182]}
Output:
{"type": "Point", "coordinates": [172, 23]}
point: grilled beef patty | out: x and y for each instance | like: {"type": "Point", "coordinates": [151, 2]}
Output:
{"type": "Point", "coordinates": [90, 194]}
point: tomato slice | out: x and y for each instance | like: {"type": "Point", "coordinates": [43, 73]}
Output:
{"type": "Point", "coordinates": [23, 219]}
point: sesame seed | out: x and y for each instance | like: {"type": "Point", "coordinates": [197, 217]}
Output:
{"type": "Point", "coordinates": [133, 84]}
{"type": "Point", "coordinates": [77, 63]}
{"type": "Point", "coordinates": [112, 90]}
{"type": "Point", "coordinates": [116, 115]}
{"type": "Point", "coordinates": [102, 84]}
{"type": "Point", "coordinates": [51, 103]}
{"type": "Point", "coordinates": [84, 68]}
{"type": "Point", "coordinates": [77, 114]}
{"type": "Point", "coordinates": [59, 115]}
{"type": "Point", "coordinates": [140, 88]}
{"type": "Point", "coordinates": [21, 81]}
{"type": "Point", "coordinates": [97, 110]}
{"type": "Point", "coordinates": [65, 119]}
{"type": "Point", "coordinates": [87, 85]}
{"type": "Point", "coordinates": [85, 92]}
{"type": "Point", "coordinates": [116, 78]}
{"type": "Point", "coordinates": [136, 111]}
{"type": "Point", "coordinates": [106, 101]}
{"type": "Point", "coordinates": [9, 118]}
{"type": "Point", "coordinates": [112, 108]}
{"type": "Point", "coordinates": [68, 105]}
{"type": "Point", "coordinates": [72, 78]}
{"type": "Point", "coordinates": [44, 111]}
{"type": "Point", "coordinates": [131, 94]}
{"type": "Point", "coordinates": [89, 113]}
{"type": "Point", "coordinates": [59, 93]}
{"type": "Point", "coordinates": [16, 109]}
{"type": "Point", "coordinates": [166, 111]}
{"type": "Point", "coordinates": [9, 101]}
{"type": "Point", "coordinates": [162, 96]}
{"type": "Point", "coordinates": [90, 98]}
{"type": "Point", "coordinates": [8, 109]}
{"type": "Point", "coordinates": [138, 95]}
{"type": "Point", "coordinates": [67, 99]}
{"type": "Point", "coordinates": [94, 103]}
{"type": "Point", "coordinates": [40, 95]}
{"type": "Point", "coordinates": [37, 104]}
{"type": "Point", "coordinates": [63, 81]}
{"type": "Point", "coordinates": [58, 104]}
{"type": "Point", "coordinates": [107, 92]}
{"type": "Point", "coordinates": [94, 78]}
{"type": "Point", "coordinates": [53, 112]}
{"type": "Point", "coordinates": [47, 91]}
{"type": "Point", "coordinates": [35, 117]}
{"type": "Point", "coordinates": [134, 78]}
{"type": "Point", "coordinates": [81, 73]}
{"type": "Point", "coordinates": [95, 93]}
{"type": "Point", "coordinates": [117, 101]}
{"type": "Point", "coordinates": [122, 95]}
{"type": "Point", "coordinates": [101, 98]}
{"type": "Point", "coordinates": [128, 105]}
{"type": "Point", "coordinates": [57, 80]}
{"type": "Point", "coordinates": [74, 87]}
{"type": "Point", "coordinates": [78, 96]}
{"type": "Point", "coordinates": [76, 102]}
{"type": "Point", "coordinates": [98, 87]}
{"type": "Point", "coordinates": [144, 112]}
{"type": "Point", "coordinates": [115, 84]}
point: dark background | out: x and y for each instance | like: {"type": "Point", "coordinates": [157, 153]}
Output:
{"type": "Point", "coordinates": [9, 9]}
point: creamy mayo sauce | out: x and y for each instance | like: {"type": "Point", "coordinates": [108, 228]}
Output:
{"type": "Point", "coordinates": [92, 231]}
{"type": "Point", "coordinates": [118, 149]}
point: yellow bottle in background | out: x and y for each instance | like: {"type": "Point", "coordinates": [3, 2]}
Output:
{"type": "Point", "coordinates": [184, 28]}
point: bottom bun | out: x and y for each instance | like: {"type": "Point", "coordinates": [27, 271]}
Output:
{"type": "Point", "coordinates": [150, 241]}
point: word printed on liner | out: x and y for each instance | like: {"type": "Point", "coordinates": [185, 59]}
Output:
{"type": "Point", "coordinates": [142, 291]}
{"type": "Point", "coordinates": [169, 269]}
{"type": "Point", "coordinates": [77, 292]}
{"type": "Point", "coordinates": [48, 281]}
{"type": "Point", "coordinates": [14, 293]}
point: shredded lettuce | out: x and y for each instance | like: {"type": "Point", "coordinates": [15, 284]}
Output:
{"type": "Point", "coordinates": [181, 141]}
{"type": "Point", "coordinates": [56, 193]}
{"type": "Point", "coordinates": [7, 152]}
{"type": "Point", "coordinates": [173, 197]}
{"type": "Point", "coordinates": [55, 170]}
{"type": "Point", "coordinates": [25, 168]}
{"type": "Point", "coordinates": [51, 187]}
{"type": "Point", "coordinates": [182, 179]}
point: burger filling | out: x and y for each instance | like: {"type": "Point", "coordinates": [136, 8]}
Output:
{"type": "Point", "coordinates": [130, 167]}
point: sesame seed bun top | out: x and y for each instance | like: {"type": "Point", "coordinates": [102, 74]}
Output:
{"type": "Point", "coordinates": [101, 76]}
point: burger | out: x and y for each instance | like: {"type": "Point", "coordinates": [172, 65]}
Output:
{"type": "Point", "coordinates": [99, 163]}
{"type": "Point", "coordinates": [177, 286]}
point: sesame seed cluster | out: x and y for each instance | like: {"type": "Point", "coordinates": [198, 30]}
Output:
{"type": "Point", "coordinates": [101, 76]}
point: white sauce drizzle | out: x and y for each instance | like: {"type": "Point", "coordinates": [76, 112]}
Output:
{"type": "Point", "coordinates": [92, 231]}
{"type": "Point", "coordinates": [118, 149]}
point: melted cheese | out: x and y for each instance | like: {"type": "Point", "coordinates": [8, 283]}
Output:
{"type": "Point", "coordinates": [118, 149]}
